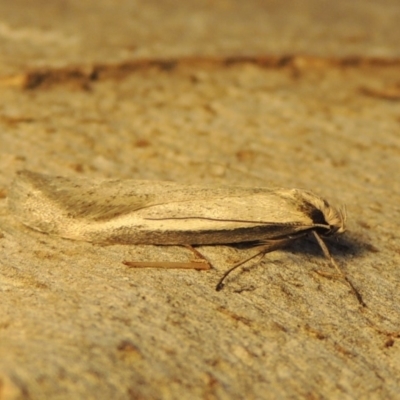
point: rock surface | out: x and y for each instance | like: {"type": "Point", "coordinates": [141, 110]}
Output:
{"type": "Point", "coordinates": [303, 94]}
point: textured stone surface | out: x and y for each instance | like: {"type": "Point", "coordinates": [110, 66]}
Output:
{"type": "Point", "coordinates": [65, 32]}
{"type": "Point", "coordinates": [77, 323]}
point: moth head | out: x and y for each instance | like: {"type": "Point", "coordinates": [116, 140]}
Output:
{"type": "Point", "coordinates": [335, 218]}
{"type": "Point", "coordinates": [330, 219]}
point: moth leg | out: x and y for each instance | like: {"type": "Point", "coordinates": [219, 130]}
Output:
{"type": "Point", "coordinates": [327, 254]}
{"type": "Point", "coordinates": [271, 246]}
{"type": "Point", "coordinates": [199, 264]}
{"type": "Point", "coordinates": [199, 257]}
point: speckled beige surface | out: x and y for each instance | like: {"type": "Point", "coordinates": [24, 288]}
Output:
{"type": "Point", "coordinates": [65, 32]}
{"type": "Point", "coordinates": [77, 323]}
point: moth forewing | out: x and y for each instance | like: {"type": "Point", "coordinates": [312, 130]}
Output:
{"type": "Point", "coordinates": [167, 213]}
{"type": "Point", "coordinates": [153, 212]}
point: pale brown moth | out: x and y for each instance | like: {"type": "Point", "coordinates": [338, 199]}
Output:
{"type": "Point", "coordinates": [167, 213]}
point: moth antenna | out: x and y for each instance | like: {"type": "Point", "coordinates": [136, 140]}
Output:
{"type": "Point", "coordinates": [327, 254]}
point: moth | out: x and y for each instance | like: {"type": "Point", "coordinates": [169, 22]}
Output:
{"type": "Point", "coordinates": [168, 213]}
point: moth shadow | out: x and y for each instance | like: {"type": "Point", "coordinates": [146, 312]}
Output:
{"type": "Point", "coordinates": [339, 246]}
